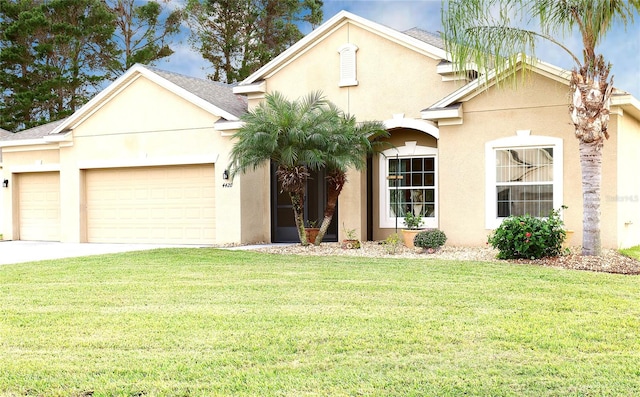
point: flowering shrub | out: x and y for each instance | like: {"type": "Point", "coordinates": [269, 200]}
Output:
{"type": "Point", "coordinates": [432, 238]}
{"type": "Point", "coordinates": [529, 237]}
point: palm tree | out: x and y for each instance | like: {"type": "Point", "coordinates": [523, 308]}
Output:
{"type": "Point", "coordinates": [347, 145]}
{"type": "Point", "coordinates": [288, 133]}
{"type": "Point", "coordinates": [474, 35]}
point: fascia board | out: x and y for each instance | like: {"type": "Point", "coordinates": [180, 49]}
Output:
{"type": "Point", "coordinates": [23, 142]}
{"type": "Point", "coordinates": [259, 87]}
{"type": "Point", "coordinates": [628, 103]}
{"type": "Point", "coordinates": [442, 113]}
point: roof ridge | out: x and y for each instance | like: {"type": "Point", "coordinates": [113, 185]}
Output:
{"type": "Point", "coordinates": [178, 74]}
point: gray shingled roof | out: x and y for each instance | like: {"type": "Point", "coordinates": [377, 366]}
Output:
{"type": "Point", "coordinates": [428, 37]}
{"type": "Point", "coordinates": [216, 93]}
{"type": "Point", "coordinates": [32, 133]}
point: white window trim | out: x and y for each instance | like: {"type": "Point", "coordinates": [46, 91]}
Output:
{"type": "Point", "coordinates": [492, 221]}
{"type": "Point", "coordinates": [410, 149]}
{"type": "Point", "coordinates": [348, 65]}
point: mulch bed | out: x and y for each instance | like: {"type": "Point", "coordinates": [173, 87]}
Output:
{"type": "Point", "coordinates": [610, 261]}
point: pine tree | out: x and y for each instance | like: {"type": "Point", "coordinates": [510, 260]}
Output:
{"type": "Point", "coordinates": [239, 36]}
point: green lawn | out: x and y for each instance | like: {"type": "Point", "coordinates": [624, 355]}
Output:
{"type": "Point", "coordinates": [633, 252]}
{"type": "Point", "coordinates": [205, 322]}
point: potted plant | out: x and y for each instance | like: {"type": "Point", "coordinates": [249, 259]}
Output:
{"type": "Point", "coordinates": [311, 231]}
{"type": "Point", "coordinates": [413, 223]}
{"type": "Point", "coordinates": [430, 240]}
{"type": "Point", "coordinates": [351, 241]}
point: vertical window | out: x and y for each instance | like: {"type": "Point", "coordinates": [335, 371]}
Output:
{"type": "Point", "coordinates": [348, 65]}
{"type": "Point", "coordinates": [524, 176]}
{"type": "Point", "coordinates": [524, 181]}
{"type": "Point", "coordinates": [409, 183]}
{"type": "Point", "coordinates": [411, 186]}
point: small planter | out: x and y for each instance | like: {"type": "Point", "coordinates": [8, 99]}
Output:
{"type": "Point", "coordinates": [311, 233]}
{"type": "Point", "coordinates": [408, 235]}
{"type": "Point", "coordinates": [350, 244]}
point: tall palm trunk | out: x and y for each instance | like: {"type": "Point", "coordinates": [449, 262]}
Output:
{"type": "Point", "coordinates": [335, 182]}
{"type": "Point", "coordinates": [293, 180]}
{"type": "Point", "coordinates": [591, 163]}
{"type": "Point", "coordinates": [297, 202]}
{"type": "Point", "coordinates": [590, 116]}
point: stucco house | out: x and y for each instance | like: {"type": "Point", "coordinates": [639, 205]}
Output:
{"type": "Point", "coordinates": [146, 160]}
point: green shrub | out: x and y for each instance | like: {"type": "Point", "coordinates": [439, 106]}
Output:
{"type": "Point", "coordinates": [529, 237]}
{"type": "Point", "coordinates": [432, 238]}
{"type": "Point", "coordinates": [412, 221]}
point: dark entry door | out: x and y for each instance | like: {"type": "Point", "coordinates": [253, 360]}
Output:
{"type": "Point", "coordinates": [283, 225]}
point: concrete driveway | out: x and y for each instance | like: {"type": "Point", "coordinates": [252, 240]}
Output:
{"type": "Point", "coordinates": [28, 251]}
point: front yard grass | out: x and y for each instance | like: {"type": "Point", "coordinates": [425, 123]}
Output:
{"type": "Point", "coordinates": [206, 322]}
{"type": "Point", "coordinates": [633, 252]}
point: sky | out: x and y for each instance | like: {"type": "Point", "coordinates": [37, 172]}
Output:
{"type": "Point", "coordinates": [620, 47]}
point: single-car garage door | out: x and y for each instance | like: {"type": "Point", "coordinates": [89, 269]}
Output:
{"type": "Point", "coordinates": [39, 206]}
{"type": "Point", "coordinates": [169, 205]}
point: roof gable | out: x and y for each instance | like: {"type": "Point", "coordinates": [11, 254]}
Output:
{"type": "Point", "coordinates": [415, 39]}
{"type": "Point", "coordinates": [481, 84]}
{"type": "Point", "coordinates": [213, 97]}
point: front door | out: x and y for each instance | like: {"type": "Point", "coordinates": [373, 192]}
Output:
{"type": "Point", "coordinates": [283, 226]}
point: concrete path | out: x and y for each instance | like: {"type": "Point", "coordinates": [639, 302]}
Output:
{"type": "Point", "coordinates": [28, 251]}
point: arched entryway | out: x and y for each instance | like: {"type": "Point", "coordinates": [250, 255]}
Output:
{"type": "Point", "coordinates": [404, 177]}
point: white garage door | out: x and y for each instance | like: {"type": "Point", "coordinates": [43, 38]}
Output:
{"type": "Point", "coordinates": [169, 205]}
{"type": "Point", "coordinates": [39, 206]}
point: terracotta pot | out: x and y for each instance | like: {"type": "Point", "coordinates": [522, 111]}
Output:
{"type": "Point", "coordinates": [350, 244]}
{"type": "Point", "coordinates": [311, 233]}
{"type": "Point", "coordinates": [408, 235]}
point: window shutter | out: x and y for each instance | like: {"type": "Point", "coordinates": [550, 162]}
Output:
{"type": "Point", "coordinates": [348, 65]}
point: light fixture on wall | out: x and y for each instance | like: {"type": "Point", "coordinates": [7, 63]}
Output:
{"type": "Point", "coordinates": [5, 183]}
{"type": "Point", "coordinates": [225, 175]}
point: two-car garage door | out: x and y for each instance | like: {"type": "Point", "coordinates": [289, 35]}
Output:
{"type": "Point", "coordinates": [169, 204]}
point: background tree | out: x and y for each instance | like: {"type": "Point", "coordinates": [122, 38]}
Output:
{"type": "Point", "coordinates": [53, 57]}
{"type": "Point", "coordinates": [495, 34]}
{"type": "Point", "coordinates": [143, 31]}
{"type": "Point", "coordinates": [289, 134]}
{"type": "Point", "coordinates": [221, 32]}
{"type": "Point", "coordinates": [239, 36]}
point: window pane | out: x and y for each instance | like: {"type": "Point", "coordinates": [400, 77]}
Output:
{"type": "Point", "coordinates": [416, 180]}
{"type": "Point", "coordinates": [429, 180]}
{"type": "Point", "coordinates": [535, 200]}
{"type": "Point", "coordinates": [524, 165]}
{"type": "Point", "coordinates": [430, 164]}
{"type": "Point", "coordinates": [416, 165]}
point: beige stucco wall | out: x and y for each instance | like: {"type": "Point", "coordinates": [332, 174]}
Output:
{"type": "Point", "coordinates": [391, 78]}
{"type": "Point", "coordinates": [540, 105]}
{"type": "Point", "coordinates": [627, 197]}
{"type": "Point", "coordinates": [147, 125]}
